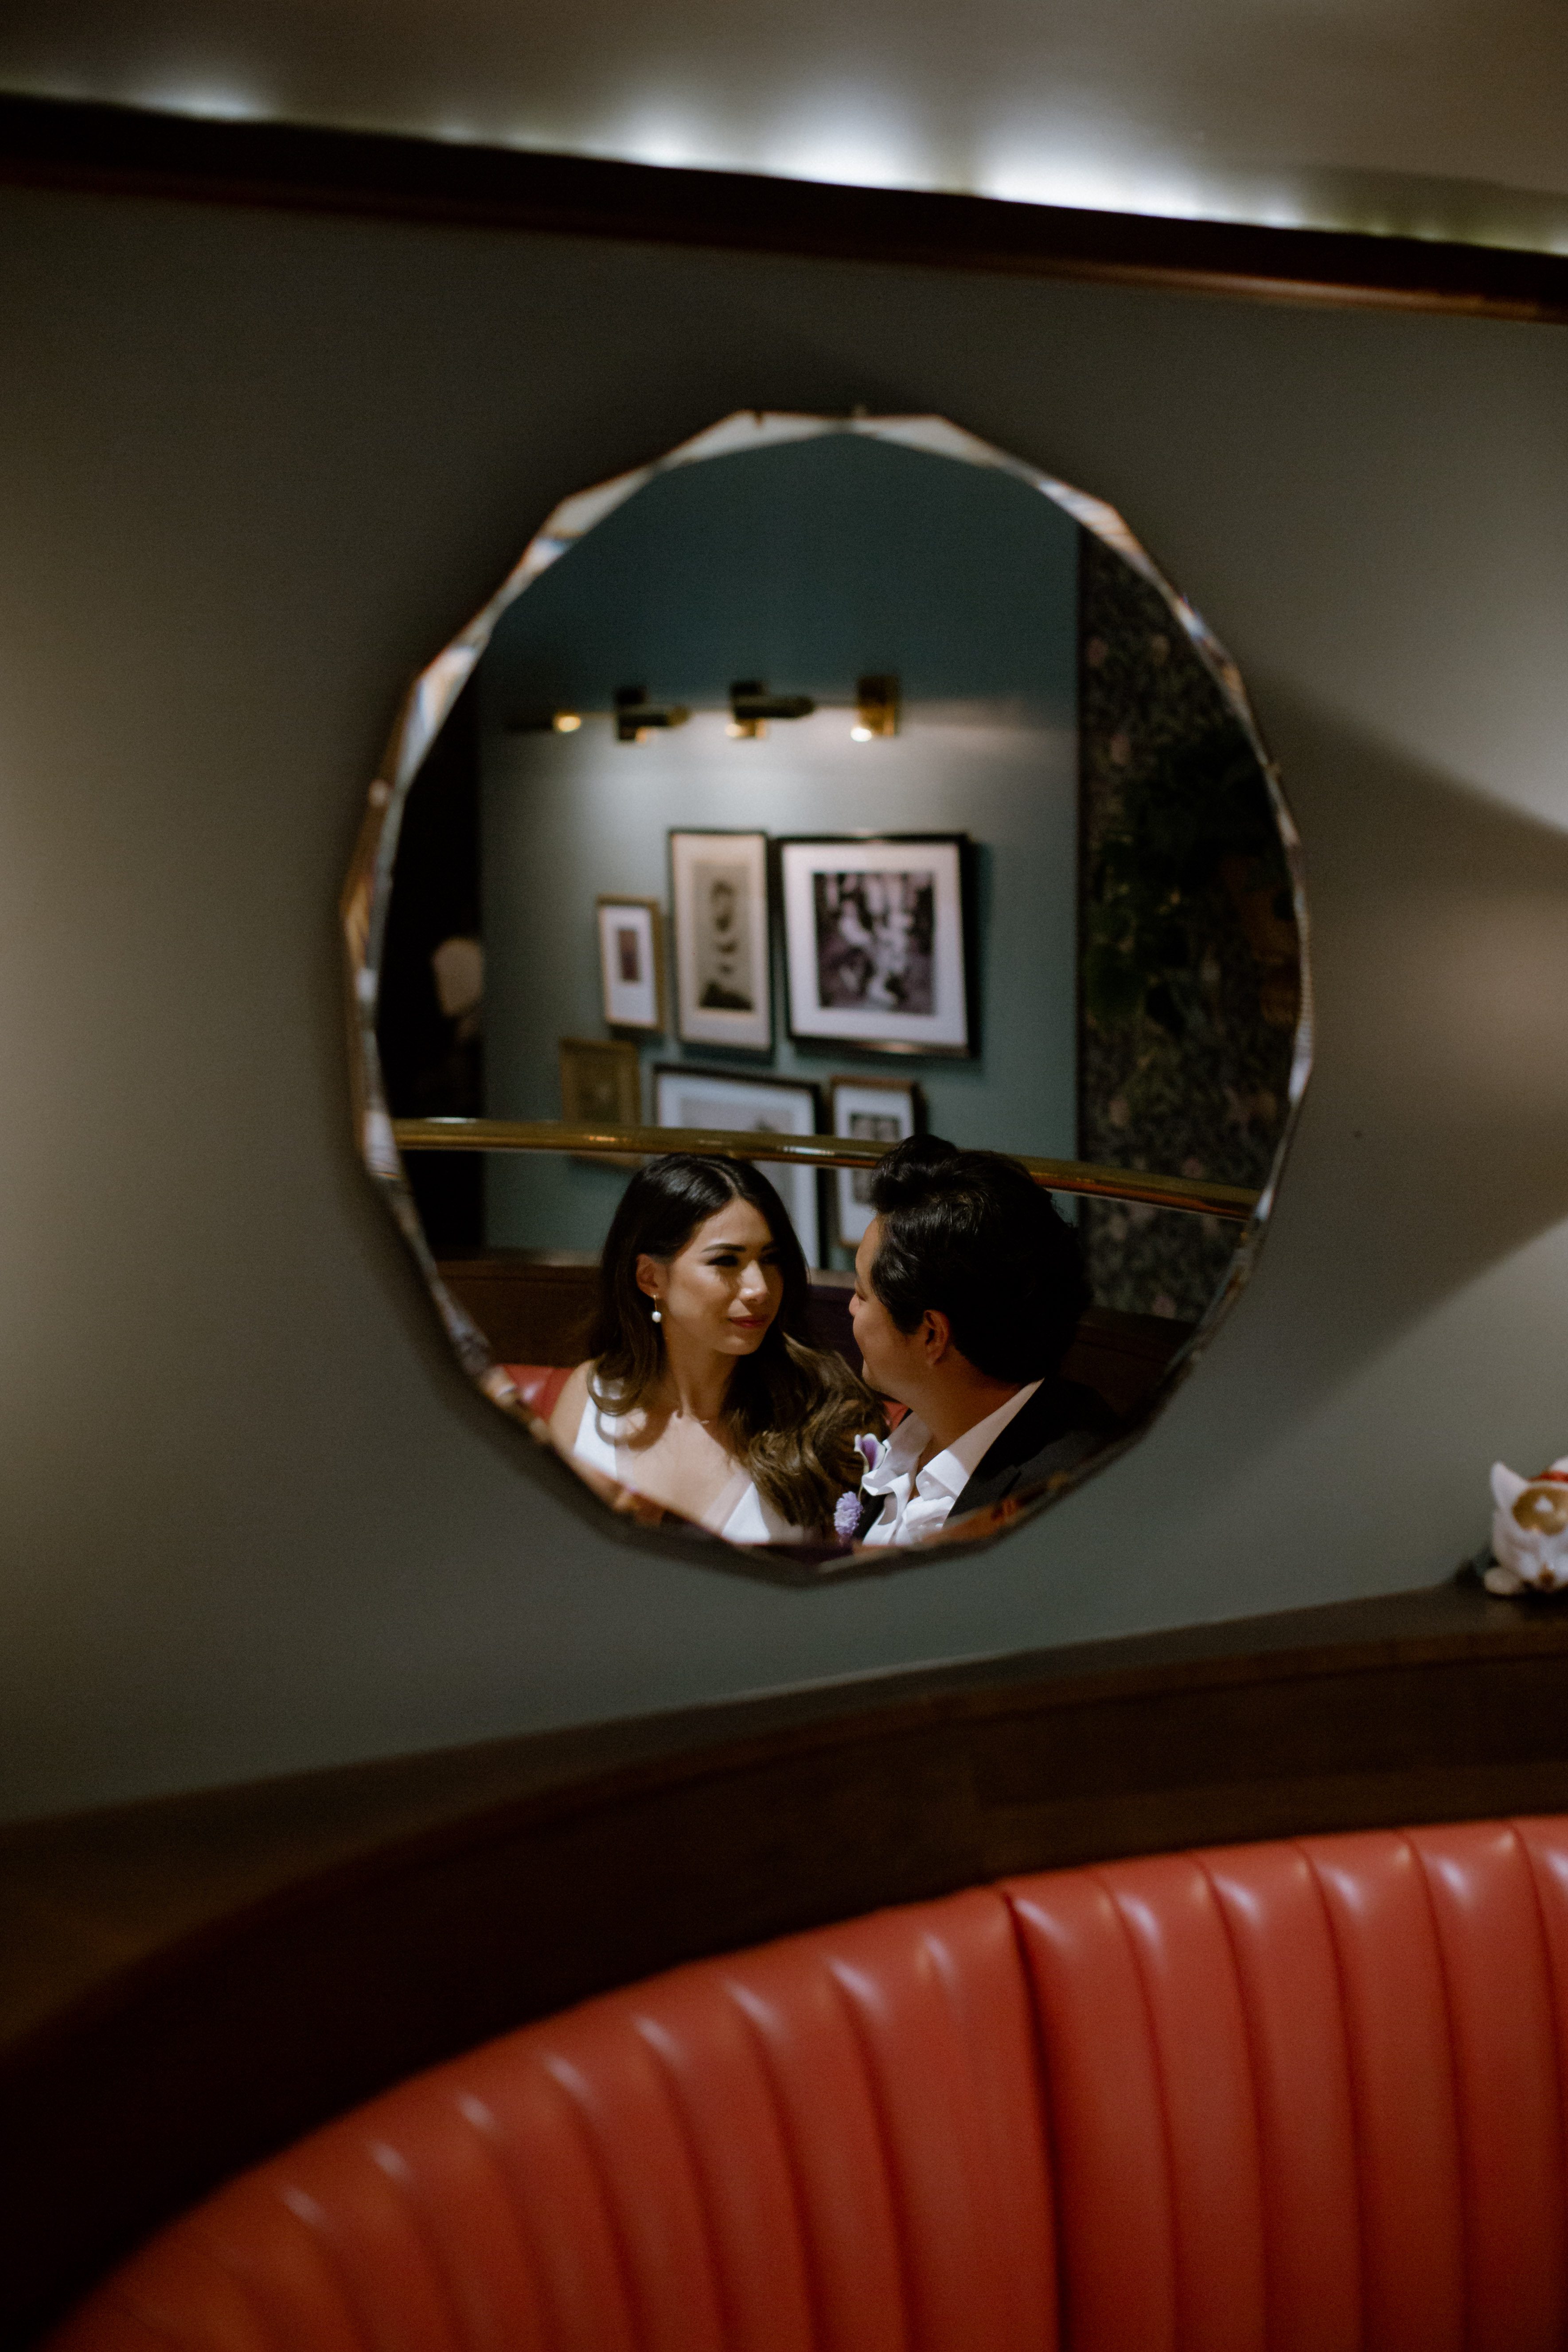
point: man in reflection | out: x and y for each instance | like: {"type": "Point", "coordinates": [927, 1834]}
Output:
{"type": "Point", "coordinates": [968, 1290]}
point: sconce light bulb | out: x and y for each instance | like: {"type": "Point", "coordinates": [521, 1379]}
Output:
{"type": "Point", "coordinates": [859, 734]}
{"type": "Point", "coordinates": [566, 722]}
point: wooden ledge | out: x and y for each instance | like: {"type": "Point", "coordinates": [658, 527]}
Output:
{"type": "Point", "coordinates": [121, 150]}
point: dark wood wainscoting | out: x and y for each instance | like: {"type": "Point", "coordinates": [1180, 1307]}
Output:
{"type": "Point", "coordinates": [226, 1970]}
{"type": "Point", "coordinates": [535, 1308]}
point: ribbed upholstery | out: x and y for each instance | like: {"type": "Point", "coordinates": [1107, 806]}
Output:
{"type": "Point", "coordinates": [1304, 2097]}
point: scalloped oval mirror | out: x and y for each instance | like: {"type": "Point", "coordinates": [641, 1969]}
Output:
{"type": "Point", "coordinates": [832, 791]}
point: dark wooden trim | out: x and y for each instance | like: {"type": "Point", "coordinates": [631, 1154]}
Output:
{"type": "Point", "coordinates": [401, 1912]}
{"type": "Point", "coordinates": [56, 143]}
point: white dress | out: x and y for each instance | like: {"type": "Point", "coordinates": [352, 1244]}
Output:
{"type": "Point", "coordinates": [737, 1513]}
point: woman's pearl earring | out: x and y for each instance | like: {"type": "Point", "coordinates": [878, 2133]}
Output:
{"type": "Point", "coordinates": [656, 1315]}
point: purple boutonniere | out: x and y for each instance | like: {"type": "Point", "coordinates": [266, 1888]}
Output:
{"type": "Point", "coordinates": [848, 1509]}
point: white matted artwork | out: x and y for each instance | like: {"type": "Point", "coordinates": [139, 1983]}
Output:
{"type": "Point", "coordinates": [631, 962]}
{"type": "Point", "coordinates": [867, 1110]}
{"type": "Point", "coordinates": [743, 1105]}
{"type": "Point", "coordinates": [722, 979]}
{"type": "Point", "coordinates": [874, 945]}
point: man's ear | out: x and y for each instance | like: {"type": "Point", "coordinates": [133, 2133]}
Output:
{"type": "Point", "coordinates": [937, 1333]}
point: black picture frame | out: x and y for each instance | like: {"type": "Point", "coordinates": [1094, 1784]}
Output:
{"type": "Point", "coordinates": [851, 1097]}
{"type": "Point", "coordinates": [837, 1000]}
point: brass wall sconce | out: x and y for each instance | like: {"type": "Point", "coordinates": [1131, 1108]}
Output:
{"type": "Point", "coordinates": [752, 706]}
{"type": "Point", "coordinates": [544, 722]}
{"type": "Point", "coordinates": [876, 707]}
{"type": "Point", "coordinates": [636, 718]}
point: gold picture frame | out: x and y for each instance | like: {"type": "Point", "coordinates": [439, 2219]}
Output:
{"type": "Point", "coordinates": [601, 1085]}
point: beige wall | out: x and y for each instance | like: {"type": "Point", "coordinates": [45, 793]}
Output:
{"type": "Point", "coordinates": [253, 469]}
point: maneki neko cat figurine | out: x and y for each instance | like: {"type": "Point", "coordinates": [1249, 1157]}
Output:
{"type": "Point", "coordinates": [1530, 1531]}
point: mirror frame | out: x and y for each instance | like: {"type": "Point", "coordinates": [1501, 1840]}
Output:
{"type": "Point", "coordinates": [367, 893]}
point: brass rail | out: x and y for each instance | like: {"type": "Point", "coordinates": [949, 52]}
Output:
{"type": "Point", "coordinates": [1195, 1195]}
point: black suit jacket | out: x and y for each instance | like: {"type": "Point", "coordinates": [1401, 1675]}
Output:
{"type": "Point", "coordinates": [1062, 1424]}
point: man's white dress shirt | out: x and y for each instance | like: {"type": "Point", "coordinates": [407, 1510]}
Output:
{"type": "Point", "coordinates": [917, 1502]}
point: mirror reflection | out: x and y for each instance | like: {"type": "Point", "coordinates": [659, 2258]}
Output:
{"type": "Point", "coordinates": [846, 784]}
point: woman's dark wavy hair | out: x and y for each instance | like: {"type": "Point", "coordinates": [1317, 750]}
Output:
{"type": "Point", "coordinates": [792, 1410]}
{"type": "Point", "coordinates": [970, 1233]}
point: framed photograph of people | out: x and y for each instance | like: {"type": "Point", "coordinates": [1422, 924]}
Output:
{"type": "Point", "coordinates": [744, 1105]}
{"type": "Point", "coordinates": [875, 947]}
{"type": "Point", "coordinates": [631, 962]}
{"type": "Point", "coordinates": [867, 1110]}
{"type": "Point", "coordinates": [723, 978]}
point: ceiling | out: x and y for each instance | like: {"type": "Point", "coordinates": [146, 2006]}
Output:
{"type": "Point", "coordinates": [1436, 118]}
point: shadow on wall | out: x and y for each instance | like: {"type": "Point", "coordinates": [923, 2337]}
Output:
{"type": "Point", "coordinates": [1433, 1143]}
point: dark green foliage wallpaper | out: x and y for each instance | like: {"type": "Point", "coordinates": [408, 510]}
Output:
{"type": "Point", "coordinates": [1189, 976]}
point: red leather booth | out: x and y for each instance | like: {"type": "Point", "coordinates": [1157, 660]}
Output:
{"type": "Point", "coordinates": [1305, 2096]}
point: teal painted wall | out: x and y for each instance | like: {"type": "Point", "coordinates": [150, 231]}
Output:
{"type": "Point", "coordinates": [806, 566]}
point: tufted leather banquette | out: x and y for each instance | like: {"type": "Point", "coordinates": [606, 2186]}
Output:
{"type": "Point", "coordinates": [1309, 2097]}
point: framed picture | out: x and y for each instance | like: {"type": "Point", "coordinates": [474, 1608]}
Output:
{"type": "Point", "coordinates": [722, 970]}
{"type": "Point", "coordinates": [601, 1085]}
{"type": "Point", "coordinates": [631, 962]}
{"type": "Point", "coordinates": [871, 1111]}
{"type": "Point", "coordinates": [744, 1105]}
{"type": "Point", "coordinates": [875, 945]}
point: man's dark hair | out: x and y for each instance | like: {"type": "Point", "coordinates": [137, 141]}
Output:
{"type": "Point", "coordinates": [971, 1234]}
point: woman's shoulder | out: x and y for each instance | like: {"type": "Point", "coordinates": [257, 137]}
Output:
{"type": "Point", "coordinates": [566, 1418]}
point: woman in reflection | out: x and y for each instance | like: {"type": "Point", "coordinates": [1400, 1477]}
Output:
{"type": "Point", "coordinates": [703, 1393]}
